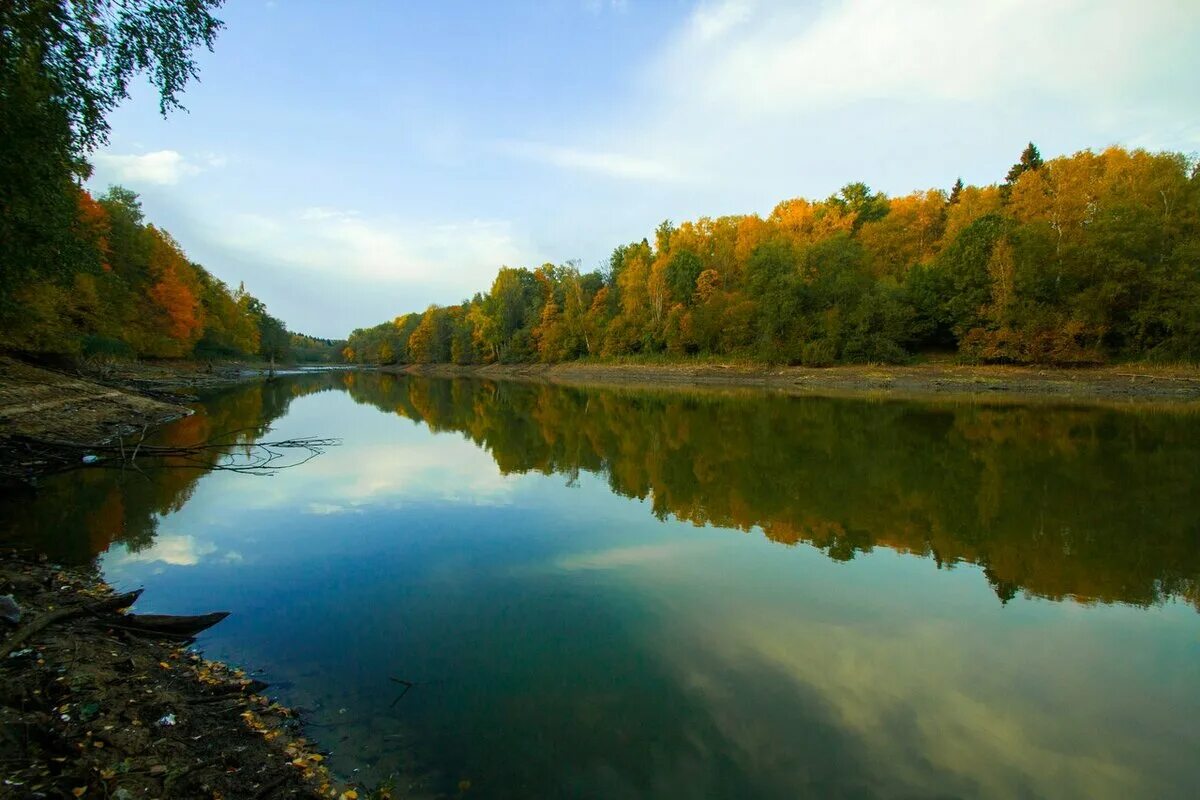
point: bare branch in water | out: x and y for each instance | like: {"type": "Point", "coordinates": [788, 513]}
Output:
{"type": "Point", "coordinates": [218, 453]}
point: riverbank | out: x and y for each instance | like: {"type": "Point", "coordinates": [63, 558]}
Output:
{"type": "Point", "coordinates": [90, 708]}
{"type": "Point", "coordinates": [1122, 383]}
{"type": "Point", "coordinates": [92, 405]}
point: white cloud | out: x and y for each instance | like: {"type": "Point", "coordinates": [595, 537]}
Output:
{"type": "Point", "coordinates": [162, 167]}
{"type": "Point", "coordinates": [782, 57]}
{"type": "Point", "coordinates": [445, 468]}
{"type": "Point", "coordinates": [609, 164]}
{"type": "Point", "coordinates": [400, 464]}
{"type": "Point", "coordinates": [711, 20]}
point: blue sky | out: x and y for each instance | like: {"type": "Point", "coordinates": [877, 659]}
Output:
{"type": "Point", "coordinates": [352, 161]}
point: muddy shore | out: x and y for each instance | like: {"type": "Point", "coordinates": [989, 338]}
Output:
{"type": "Point", "coordinates": [91, 406]}
{"type": "Point", "coordinates": [1131, 384]}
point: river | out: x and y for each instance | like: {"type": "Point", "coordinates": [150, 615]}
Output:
{"type": "Point", "coordinates": [502, 589]}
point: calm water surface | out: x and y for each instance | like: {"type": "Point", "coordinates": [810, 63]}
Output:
{"type": "Point", "coordinates": [615, 593]}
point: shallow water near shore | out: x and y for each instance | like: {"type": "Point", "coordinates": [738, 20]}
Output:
{"type": "Point", "coordinates": [501, 589]}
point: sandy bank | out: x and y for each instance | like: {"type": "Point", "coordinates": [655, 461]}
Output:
{"type": "Point", "coordinates": [1125, 383]}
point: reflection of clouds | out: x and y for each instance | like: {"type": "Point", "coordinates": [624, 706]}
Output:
{"type": "Point", "coordinates": [350, 479]}
{"type": "Point", "coordinates": [632, 556]}
{"type": "Point", "coordinates": [440, 468]}
{"type": "Point", "coordinates": [939, 707]}
{"type": "Point", "coordinates": [177, 550]}
{"type": "Point", "coordinates": [174, 549]}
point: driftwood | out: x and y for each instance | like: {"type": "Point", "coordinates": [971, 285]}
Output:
{"type": "Point", "coordinates": [165, 625]}
{"type": "Point", "coordinates": [21, 635]}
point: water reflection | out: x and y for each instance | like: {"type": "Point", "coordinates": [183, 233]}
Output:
{"type": "Point", "coordinates": [479, 539]}
{"type": "Point", "coordinates": [1086, 503]}
{"type": "Point", "coordinates": [76, 516]}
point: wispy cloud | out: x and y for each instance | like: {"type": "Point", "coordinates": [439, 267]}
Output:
{"type": "Point", "coordinates": [328, 509]}
{"type": "Point", "coordinates": [629, 556]}
{"type": "Point", "coordinates": [161, 167]}
{"type": "Point", "coordinates": [457, 256]}
{"type": "Point", "coordinates": [599, 162]}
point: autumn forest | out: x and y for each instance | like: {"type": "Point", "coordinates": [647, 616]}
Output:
{"type": "Point", "coordinates": [1079, 260]}
{"type": "Point", "coordinates": [1082, 259]}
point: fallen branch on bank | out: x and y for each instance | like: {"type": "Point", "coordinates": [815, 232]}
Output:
{"type": "Point", "coordinates": [21, 635]}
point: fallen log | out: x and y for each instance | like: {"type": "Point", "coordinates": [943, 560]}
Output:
{"type": "Point", "coordinates": [168, 625]}
{"type": "Point", "coordinates": [113, 603]}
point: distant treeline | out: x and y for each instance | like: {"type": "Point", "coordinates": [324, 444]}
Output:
{"type": "Point", "coordinates": [126, 288]}
{"type": "Point", "coordinates": [1081, 259]}
{"type": "Point", "coordinates": [315, 350]}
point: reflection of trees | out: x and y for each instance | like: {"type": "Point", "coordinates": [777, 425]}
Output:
{"type": "Point", "coordinates": [1091, 504]}
{"type": "Point", "coordinates": [75, 516]}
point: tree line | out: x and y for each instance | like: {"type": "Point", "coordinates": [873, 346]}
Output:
{"type": "Point", "coordinates": [128, 289]}
{"type": "Point", "coordinates": [1082, 259]}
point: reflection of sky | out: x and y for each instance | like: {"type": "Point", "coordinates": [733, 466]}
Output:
{"type": "Point", "coordinates": [573, 643]}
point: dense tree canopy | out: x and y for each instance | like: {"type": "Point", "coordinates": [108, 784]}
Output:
{"type": "Point", "coordinates": [64, 65]}
{"type": "Point", "coordinates": [141, 295]}
{"type": "Point", "coordinates": [1080, 259]}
